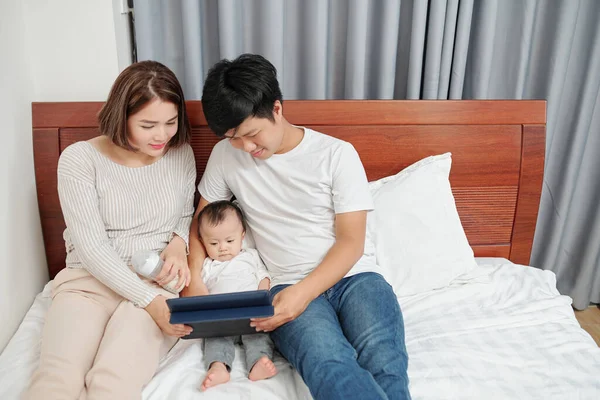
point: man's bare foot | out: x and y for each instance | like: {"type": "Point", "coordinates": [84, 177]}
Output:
{"type": "Point", "coordinates": [263, 369]}
{"type": "Point", "coordinates": [217, 374]}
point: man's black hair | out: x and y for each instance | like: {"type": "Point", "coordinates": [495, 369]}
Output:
{"type": "Point", "coordinates": [238, 89]}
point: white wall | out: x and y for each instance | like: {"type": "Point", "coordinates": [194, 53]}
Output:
{"type": "Point", "coordinates": [52, 50]}
{"type": "Point", "coordinates": [72, 49]}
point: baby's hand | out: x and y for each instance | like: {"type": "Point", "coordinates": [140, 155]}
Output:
{"type": "Point", "coordinates": [265, 284]}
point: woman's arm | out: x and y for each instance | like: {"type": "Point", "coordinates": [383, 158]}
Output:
{"type": "Point", "coordinates": [79, 203]}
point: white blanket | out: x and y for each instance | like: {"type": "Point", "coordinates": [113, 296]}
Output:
{"type": "Point", "coordinates": [502, 332]}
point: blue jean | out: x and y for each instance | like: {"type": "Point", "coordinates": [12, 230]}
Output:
{"type": "Point", "coordinates": [349, 342]}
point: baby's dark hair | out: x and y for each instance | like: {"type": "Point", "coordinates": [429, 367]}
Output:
{"type": "Point", "coordinates": [215, 213]}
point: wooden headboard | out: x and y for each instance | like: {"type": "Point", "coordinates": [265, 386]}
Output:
{"type": "Point", "coordinates": [497, 164]}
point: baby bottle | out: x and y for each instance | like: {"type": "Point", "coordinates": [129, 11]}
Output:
{"type": "Point", "coordinates": [148, 264]}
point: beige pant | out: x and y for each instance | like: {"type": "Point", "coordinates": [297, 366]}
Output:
{"type": "Point", "coordinates": [96, 345]}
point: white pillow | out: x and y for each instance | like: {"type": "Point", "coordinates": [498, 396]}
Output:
{"type": "Point", "coordinates": [419, 240]}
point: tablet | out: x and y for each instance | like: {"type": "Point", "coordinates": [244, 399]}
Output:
{"type": "Point", "coordinates": [225, 314]}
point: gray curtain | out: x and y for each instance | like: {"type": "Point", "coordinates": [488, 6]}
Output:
{"type": "Point", "coordinates": [420, 49]}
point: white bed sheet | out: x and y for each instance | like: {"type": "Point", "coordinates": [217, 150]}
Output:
{"type": "Point", "coordinates": [506, 334]}
{"type": "Point", "coordinates": [502, 332]}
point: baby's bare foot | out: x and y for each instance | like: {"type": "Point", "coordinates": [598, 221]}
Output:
{"type": "Point", "coordinates": [263, 369]}
{"type": "Point", "coordinates": [217, 374]}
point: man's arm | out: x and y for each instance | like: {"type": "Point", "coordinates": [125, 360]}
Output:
{"type": "Point", "coordinates": [350, 230]}
{"type": "Point", "coordinates": [349, 246]}
{"type": "Point", "coordinates": [196, 257]}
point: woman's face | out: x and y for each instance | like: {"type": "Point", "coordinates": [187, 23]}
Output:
{"type": "Point", "coordinates": [151, 128]}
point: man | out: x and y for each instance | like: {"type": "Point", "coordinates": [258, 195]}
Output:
{"type": "Point", "coordinates": [306, 197]}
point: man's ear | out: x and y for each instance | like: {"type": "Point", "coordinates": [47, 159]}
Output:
{"type": "Point", "coordinates": [277, 110]}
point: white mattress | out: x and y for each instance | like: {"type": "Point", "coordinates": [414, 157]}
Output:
{"type": "Point", "coordinates": [503, 332]}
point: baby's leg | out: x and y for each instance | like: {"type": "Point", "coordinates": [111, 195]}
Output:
{"type": "Point", "coordinates": [259, 356]}
{"type": "Point", "coordinates": [218, 355]}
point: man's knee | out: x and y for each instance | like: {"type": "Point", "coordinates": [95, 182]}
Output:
{"type": "Point", "coordinates": [320, 349]}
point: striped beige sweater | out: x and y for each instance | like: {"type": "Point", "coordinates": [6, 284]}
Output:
{"type": "Point", "coordinates": [112, 211]}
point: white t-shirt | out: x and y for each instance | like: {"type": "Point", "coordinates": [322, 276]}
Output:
{"type": "Point", "coordinates": [290, 200]}
{"type": "Point", "coordinates": [241, 273]}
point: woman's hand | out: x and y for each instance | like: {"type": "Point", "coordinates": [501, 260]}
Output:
{"type": "Point", "coordinates": [289, 304]}
{"type": "Point", "coordinates": [159, 311]}
{"type": "Point", "coordinates": [175, 258]}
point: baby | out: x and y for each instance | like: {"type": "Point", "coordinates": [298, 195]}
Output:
{"type": "Point", "coordinates": [229, 268]}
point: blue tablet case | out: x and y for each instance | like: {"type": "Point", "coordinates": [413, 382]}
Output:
{"type": "Point", "coordinates": [226, 314]}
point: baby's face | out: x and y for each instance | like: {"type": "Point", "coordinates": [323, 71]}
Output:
{"type": "Point", "coordinates": [224, 241]}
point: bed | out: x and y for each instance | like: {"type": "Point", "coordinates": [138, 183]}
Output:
{"type": "Point", "coordinates": [497, 330]}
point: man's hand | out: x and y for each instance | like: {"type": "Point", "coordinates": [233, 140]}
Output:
{"type": "Point", "coordinates": [175, 264]}
{"type": "Point", "coordinates": [289, 304]}
{"type": "Point", "coordinates": [159, 311]}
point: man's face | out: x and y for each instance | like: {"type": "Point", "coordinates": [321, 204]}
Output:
{"type": "Point", "coordinates": [260, 137]}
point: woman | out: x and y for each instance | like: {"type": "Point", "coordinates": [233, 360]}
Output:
{"type": "Point", "coordinates": [130, 189]}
